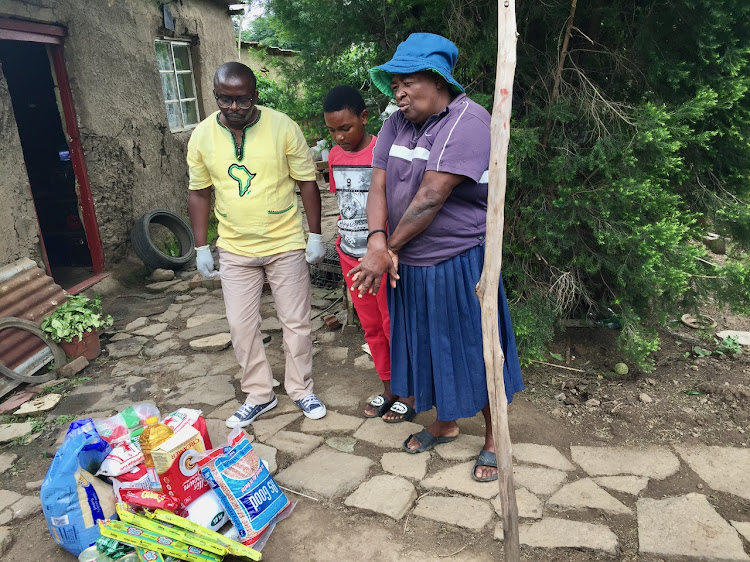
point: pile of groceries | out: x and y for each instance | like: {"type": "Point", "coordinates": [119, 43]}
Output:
{"type": "Point", "coordinates": [132, 487]}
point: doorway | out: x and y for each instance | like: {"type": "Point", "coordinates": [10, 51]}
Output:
{"type": "Point", "coordinates": [27, 68]}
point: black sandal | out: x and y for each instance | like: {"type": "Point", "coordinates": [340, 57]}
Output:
{"type": "Point", "coordinates": [406, 412]}
{"type": "Point", "coordinates": [381, 404]}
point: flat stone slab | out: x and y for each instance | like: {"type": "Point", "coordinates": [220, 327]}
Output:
{"type": "Point", "coordinates": [265, 427]}
{"type": "Point", "coordinates": [129, 366]}
{"type": "Point", "coordinates": [405, 464]}
{"type": "Point", "coordinates": [461, 512]}
{"type": "Point", "coordinates": [8, 498]}
{"type": "Point", "coordinates": [194, 321]}
{"type": "Point", "coordinates": [207, 329]}
{"type": "Point", "coordinates": [169, 364]}
{"type": "Point", "coordinates": [216, 342]}
{"type": "Point", "coordinates": [159, 349]}
{"type": "Point", "coordinates": [11, 431]}
{"type": "Point", "coordinates": [6, 461]}
{"type": "Point", "coordinates": [285, 405]}
{"type": "Point", "coordinates": [224, 411]}
{"type": "Point", "coordinates": [204, 390]}
{"type": "Point", "coordinates": [162, 285]}
{"type": "Point", "coordinates": [386, 435]}
{"type": "Point", "coordinates": [151, 331]}
{"type": "Point", "coordinates": [333, 422]}
{"type": "Point", "coordinates": [726, 469]}
{"type": "Point", "coordinates": [270, 324]}
{"type": "Point", "coordinates": [529, 506]}
{"type": "Point", "coordinates": [385, 494]}
{"type": "Point", "coordinates": [458, 479]}
{"type": "Point", "coordinates": [267, 454]}
{"type": "Point", "coordinates": [542, 481]}
{"type": "Point", "coordinates": [686, 526]}
{"type": "Point", "coordinates": [364, 361]}
{"type": "Point", "coordinates": [135, 324]}
{"type": "Point", "coordinates": [165, 335]}
{"type": "Point", "coordinates": [544, 455]}
{"type": "Point", "coordinates": [326, 473]}
{"type": "Point", "coordinates": [15, 401]}
{"type": "Point", "coordinates": [465, 447]}
{"type": "Point", "coordinates": [632, 485]}
{"type": "Point", "coordinates": [653, 462]}
{"type": "Point", "coordinates": [296, 444]}
{"type": "Point", "coordinates": [22, 509]}
{"type": "Point", "coordinates": [585, 494]}
{"type": "Point", "coordinates": [551, 532]}
{"type": "Point", "coordinates": [126, 348]}
{"type": "Point", "coordinates": [37, 405]}
{"type": "Point", "coordinates": [120, 336]}
{"type": "Point", "coordinates": [743, 338]}
{"type": "Point", "coordinates": [341, 396]}
{"type": "Point", "coordinates": [743, 528]}
{"type": "Point", "coordinates": [218, 432]}
{"type": "Point", "coordinates": [345, 444]}
{"type": "Point", "coordinates": [338, 354]}
{"type": "Point", "coordinates": [6, 539]}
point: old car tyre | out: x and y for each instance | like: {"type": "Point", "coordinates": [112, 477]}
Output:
{"type": "Point", "coordinates": [146, 249]}
{"type": "Point", "coordinates": [57, 353]}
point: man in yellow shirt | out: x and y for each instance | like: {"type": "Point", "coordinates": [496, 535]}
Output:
{"type": "Point", "coordinates": [251, 157]}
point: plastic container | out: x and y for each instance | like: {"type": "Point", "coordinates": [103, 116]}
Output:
{"type": "Point", "coordinates": [91, 554]}
{"type": "Point", "coordinates": [154, 435]}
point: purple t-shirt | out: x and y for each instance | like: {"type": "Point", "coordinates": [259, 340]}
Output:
{"type": "Point", "coordinates": [457, 140]}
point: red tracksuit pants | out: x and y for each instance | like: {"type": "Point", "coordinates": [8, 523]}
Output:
{"type": "Point", "coordinates": [372, 311]}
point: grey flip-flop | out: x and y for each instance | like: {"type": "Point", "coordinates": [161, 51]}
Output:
{"type": "Point", "coordinates": [426, 441]}
{"type": "Point", "coordinates": [485, 458]}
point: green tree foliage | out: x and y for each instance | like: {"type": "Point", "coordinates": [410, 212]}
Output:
{"type": "Point", "coordinates": [618, 164]}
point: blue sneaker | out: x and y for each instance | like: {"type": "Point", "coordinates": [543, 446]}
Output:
{"type": "Point", "coordinates": [247, 413]}
{"type": "Point", "coordinates": [311, 406]}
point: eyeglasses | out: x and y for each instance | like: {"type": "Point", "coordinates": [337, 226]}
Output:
{"type": "Point", "coordinates": [225, 102]}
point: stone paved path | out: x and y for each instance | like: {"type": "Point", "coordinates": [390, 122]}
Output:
{"type": "Point", "coordinates": [574, 497]}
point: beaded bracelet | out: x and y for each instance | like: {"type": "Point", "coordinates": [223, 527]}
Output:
{"type": "Point", "coordinates": [375, 232]}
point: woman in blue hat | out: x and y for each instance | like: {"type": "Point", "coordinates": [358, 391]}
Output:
{"type": "Point", "coordinates": [426, 213]}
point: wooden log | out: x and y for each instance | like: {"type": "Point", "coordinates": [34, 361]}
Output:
{"type": "Point", "coordinates": [489, 283]}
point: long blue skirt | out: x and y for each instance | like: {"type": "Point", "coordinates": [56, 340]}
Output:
{"type": "Point", "coordinates": [436, 337]}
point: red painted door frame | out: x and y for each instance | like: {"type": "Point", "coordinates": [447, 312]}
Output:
{"type": "Point", "coordinates": [53, 36]}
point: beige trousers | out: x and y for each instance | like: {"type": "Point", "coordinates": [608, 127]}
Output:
{"type": "Point", "coordinates": [242, 283]}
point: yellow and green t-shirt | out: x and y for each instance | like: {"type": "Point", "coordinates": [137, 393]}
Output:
{"type": "Point", "coordinates": [254, 182]}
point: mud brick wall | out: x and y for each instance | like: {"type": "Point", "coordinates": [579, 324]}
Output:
{"type": "Point", "coordinates": [134, 162]}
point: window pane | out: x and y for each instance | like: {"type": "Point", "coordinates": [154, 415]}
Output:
{"type": "Point", "coordinates": [163, 56]}
{"type": "Point", "coordinates": [173, 116]}
{"type": "Point", "coordinates": [168, 86]}
{"type": "Point", "coordinates": [181, 57]}
{"type": "Point", "coordinates": [190, 112]}
{"type": "Point", "coordinates": [185, 83]}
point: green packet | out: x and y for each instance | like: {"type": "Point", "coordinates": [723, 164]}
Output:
{"type": "Point", "coordinates": [153, 556]}
{"type": "Point", "coordinates": [130, 534]}
{"type": "Point", "coordinates": [168, 530]}
{"type": "Point", "coordinates": [235, 548]}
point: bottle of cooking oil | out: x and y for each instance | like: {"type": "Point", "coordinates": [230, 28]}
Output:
{"type": "Point", "coordinates": [154, 435]}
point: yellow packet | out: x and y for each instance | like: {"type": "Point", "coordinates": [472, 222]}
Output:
{"type": "Point", "coordinates": [233, 547]}
{"type": "Point", "coordinates": [168, 530]}
{"type": "Point", "coordinates": [130, 534]}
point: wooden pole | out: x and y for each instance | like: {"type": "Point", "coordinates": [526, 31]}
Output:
{"type": "Point", "coordinates": [489, 283]}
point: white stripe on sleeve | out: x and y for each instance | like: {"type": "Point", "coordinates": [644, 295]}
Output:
{"type": "Point", "coordinates": [398, 151]}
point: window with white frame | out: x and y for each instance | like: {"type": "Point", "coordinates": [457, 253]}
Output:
{"type": "Point", "coordinates": [177, 84]}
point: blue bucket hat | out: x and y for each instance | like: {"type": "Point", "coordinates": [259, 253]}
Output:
{"type": "Point", "coordinates": [420, 51]}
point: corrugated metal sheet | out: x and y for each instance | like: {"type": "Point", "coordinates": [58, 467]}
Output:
{"type": "Point", "coordinates": [25, 292]}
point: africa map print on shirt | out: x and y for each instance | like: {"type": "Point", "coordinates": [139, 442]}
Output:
{"type": "Point", "coordinates": [352, 186]}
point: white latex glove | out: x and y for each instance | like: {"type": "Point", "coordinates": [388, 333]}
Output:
{"type": "Point", "coordinates": [315, 252]}
{"type": "Point", "coordinates": [204, 261]}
